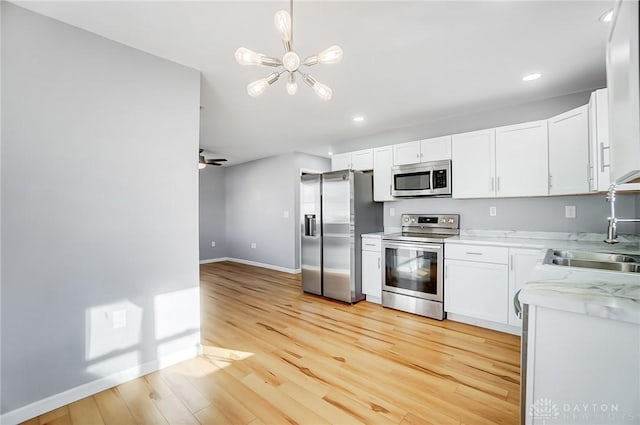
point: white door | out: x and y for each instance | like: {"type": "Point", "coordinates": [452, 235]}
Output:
{"type": "Point", "coordinates": [522, 160]}
{"type": "Point", "coordinates": [473, 164]}
{"type": "Point", "coordinates": [406, 153]}
{"type": "Point", "coordinates": [522, 263]}
{"type": "Point", "coordinates": [382, 163]}
{"type": "Point", "coordinates": [436, 149]}
{"type": "Point", "coordinates": [478, 290]}
{"type": "Point", "coordinates": [341, 161]}
{"type": "Point", "coordinates": [569, 152]}
{"type": "Point", "coordinates": [599, 161]}
{"type": "Point", "coordinates": [371, 273]}
{"type": "Point", "coordinates": [362, 160]}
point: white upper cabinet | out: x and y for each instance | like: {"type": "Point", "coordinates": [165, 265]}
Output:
{"type": "Point", "coordinates": [341, 161]}
{"type": "Point", "coordinates": [623, 81]}
{"type": "Point", "coordinates": [382, 164]}
{"type": "Point", "coordinates": [362, 160]}
{"type": "Point", "coordinates": [599, 141]}
{"type": "Point", "coordinates": [473, 164]}
{"type": "Point", "coordinates": [436, 149]}
{"type": "Point", "coordinates": [358, 160]}
{"type": "Point", "coordinates": [522, 160]}
{"type": "Point", "coordinates": [406, 153]}
{"type": "Point", "coordinates": [569, 152]}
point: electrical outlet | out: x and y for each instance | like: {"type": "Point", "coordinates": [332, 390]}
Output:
{"type": "Point", "coordinates": [254, 245]}
{"type": "Point", "coordinates": [119, 319]}
{"type": "Point", "coordinates": [213, 244]}
{"type": "Point", "coordinates": [493, 211]}
{"type": "Point", "coordinates": [285, 214]}
{"type": "Point", "coordinates": [392, 212]}
{"type": "Point", "coordinates": [570, 211]}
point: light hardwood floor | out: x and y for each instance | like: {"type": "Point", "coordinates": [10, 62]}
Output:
{"type": "Point", "coordinates": [273, 355]}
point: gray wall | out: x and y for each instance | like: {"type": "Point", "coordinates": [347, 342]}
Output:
{"type": "Point", "coordinates": [527, 214]}
{"type": "Point", "coordinates": [476, 120]}
{"type": "Point", "coordinates": [99, 207]}
{"type": "Point", "coordinates": [212, 213]}
{"type": "Point", "coordinates": [257, 195]}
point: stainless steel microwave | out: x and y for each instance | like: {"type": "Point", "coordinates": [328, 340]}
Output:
{"type": "Point", "coordinates": [422, 179]}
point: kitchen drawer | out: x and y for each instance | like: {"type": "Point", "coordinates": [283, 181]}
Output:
{"type": "Point", "coordinates": [480, 253]}
{"type": "Point", "coordinates": [372, 244]}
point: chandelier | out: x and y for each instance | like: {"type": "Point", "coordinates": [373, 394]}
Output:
{"type": "Point", "coordinates": [290, 62]}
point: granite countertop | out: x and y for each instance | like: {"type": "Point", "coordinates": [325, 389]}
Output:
{"type": "Point", "coordinates": [606, 294]}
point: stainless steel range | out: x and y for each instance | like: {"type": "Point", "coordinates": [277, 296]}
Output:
{"type": "Point", "coordinates": [413, 279]}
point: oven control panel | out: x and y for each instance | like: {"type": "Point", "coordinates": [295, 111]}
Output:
{"type": "Point", "coordinates": [451, 221]}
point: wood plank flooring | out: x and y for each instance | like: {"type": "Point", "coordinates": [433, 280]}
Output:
{"type": "Point", "coordinates": [273, 355]}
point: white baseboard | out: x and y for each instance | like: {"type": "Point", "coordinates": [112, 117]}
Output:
{"type": "Point", "coordinates": [214, 260]}
{"type": "Point", "coordinates": [374, 299]}
{"type": "Point", "coordinates": [500, 327]}
{"type": "Point", "coordinates": [251, 263]}
{"type": "Point", "coordinates": [45, 405]}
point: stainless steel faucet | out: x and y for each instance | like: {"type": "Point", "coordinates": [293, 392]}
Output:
{"type": "Point", "coordinates": [612, 231]}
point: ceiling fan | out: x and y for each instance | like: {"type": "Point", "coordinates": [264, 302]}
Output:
{"type": "Point", "coordinates": [203, 162]}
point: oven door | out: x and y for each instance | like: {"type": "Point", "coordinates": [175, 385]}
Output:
{"type": "Point", "coordinates": [414, 269]}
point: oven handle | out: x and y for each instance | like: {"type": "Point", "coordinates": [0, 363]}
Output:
{"type": "Point", "coordinates": [424, 246]}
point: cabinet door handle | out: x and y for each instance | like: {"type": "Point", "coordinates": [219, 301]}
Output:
{"type": "Point", "coordinates": [498, 184]}
{"type": "Point", "coordinates": [602, 164]}
{"type": "Point", "coordinates": [389, 189]}
{"type": "Point", "coordinates": [492, 184]}
{"type": "Point", "coordinates": [511, 262]}
{"type": "Point", "coordinates": [550, 180]}
{"type": "Point", "coordinates": [417, 155]}
{"type": "Point", "coordinates": [378, 263]}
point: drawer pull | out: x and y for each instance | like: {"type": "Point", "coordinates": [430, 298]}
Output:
{"type": "Point", "coordinates": [370, 244]}
{"type": "Point", "coordinates": [473, 253]}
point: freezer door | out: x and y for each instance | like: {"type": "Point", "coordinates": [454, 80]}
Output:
{"type": "Point", "coordinates": [310, 234]}
{"type": "Point", "coordinates": [338, 251]}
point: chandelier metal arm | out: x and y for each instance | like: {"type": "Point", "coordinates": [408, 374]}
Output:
{"type": "Point", "coordinates": [270, 61]}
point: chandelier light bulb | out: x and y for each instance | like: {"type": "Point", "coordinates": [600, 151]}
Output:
{"type": "Point", "coordinates": [323, 91]}
{"type": "Point", "coordinates": [331, 55]}
{"type": "Point", "coordinates": [291, 61]}
{"type": "Point", "coordinates": [282, 21]}
{"type": "Point", "coordinates": [245, 57]}
{"type": "Point", "coordinates": [292, 86]}
{"type": "Point", "coordinates": [257, 87]}
{"type": "Point", "coordinates": [201, 165]}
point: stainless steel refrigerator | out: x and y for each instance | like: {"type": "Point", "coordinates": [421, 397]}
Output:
{"type": "Point", "coordinates": [336, 209]}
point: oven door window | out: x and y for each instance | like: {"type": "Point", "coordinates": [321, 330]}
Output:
{"type": "Point", "coordinates": [413, 181]}
{"type": "Point", "coordinates": [413, 271]}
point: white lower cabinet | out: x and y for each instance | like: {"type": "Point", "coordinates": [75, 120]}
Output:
{"type": "Point", "coordinates": [372, 268]}
{"type": "Point", "coordinates": [476, 289]}
{"type": "Point", "coordinates": [480, 282]}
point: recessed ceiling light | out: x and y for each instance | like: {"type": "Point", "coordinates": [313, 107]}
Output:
{"type": "Point", "coordinates": [330, 153]}
{"type": "Point", "coordinates": [358, 118]}
{"type": "Point", "coordinates": [532, 77]}
{"type": "Point", "coordinates": [607, 16]}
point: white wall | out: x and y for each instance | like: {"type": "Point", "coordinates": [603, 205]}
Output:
{"type": "Point", "coordinates": [99, 211]}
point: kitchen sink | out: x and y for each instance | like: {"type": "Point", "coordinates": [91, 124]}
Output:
{"type": "Point", "coordinates": [594, 260]}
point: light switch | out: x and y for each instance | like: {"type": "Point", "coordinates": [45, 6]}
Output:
{"type": "Point", "coordinates": [493, 211]}
{"type": "Point", "coordinates": [254, 245]}
{"type": "Point", "coordinates": [285, 214]}
{"type": "Point", "coordinates": [570, 211]}
{"type": "Point", "coordinates": [392, 212]}
{"type": "Point", "coordinates": [213, 244]}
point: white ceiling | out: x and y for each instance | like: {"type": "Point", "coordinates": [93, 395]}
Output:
{"type": "Point", "coordinates": [404, 62]}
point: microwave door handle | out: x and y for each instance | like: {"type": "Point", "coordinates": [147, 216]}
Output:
{"type": "Point", "coordinates": [431, 179]}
